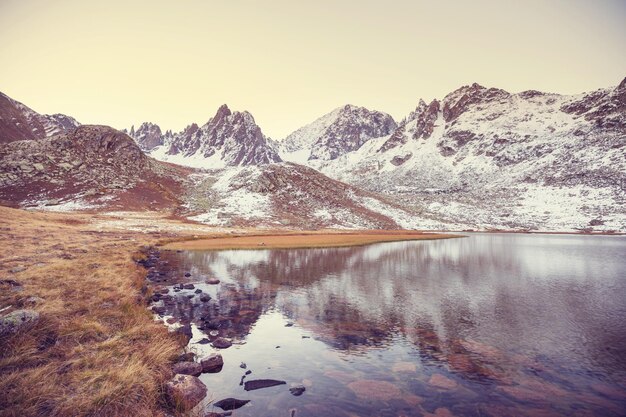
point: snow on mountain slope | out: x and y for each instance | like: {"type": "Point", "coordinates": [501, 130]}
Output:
{"type": "Point", "coordinates": [227, 139]}
{"type": "Point", "coordinates": [345, 129]}
{"type": "Point", "coordinates": [290, 195]}
{"type": "Point", "coordinates": [490, 159]}
{"type": "Point", "coordinates": [19, 122]}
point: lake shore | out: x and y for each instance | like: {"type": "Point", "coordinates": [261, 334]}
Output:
{"type": "Point", "coordinates": [300, 240]}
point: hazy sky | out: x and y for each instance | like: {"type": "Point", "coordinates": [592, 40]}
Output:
{"type": "Point", "coordinates": [289, 61]}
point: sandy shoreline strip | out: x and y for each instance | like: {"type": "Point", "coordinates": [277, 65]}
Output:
{"type": "Point", "coordinates": [303, 240]}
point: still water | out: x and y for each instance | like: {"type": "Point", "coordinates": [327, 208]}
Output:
{"type": "Point", "coordinates": [487, 325]}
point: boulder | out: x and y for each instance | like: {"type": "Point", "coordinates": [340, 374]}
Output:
{"type": "Point", "coordinates": [213, 363]}
{"type": "Point", "coordinates": [185, 391]}
{"type": "Point", "coordinates": [17, 320]}
{"type": "Point", "coordinates": [187, 368]}
{"type": "Point", "coordinates": [213, 281]}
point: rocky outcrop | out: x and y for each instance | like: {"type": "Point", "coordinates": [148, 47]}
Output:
{"type": "Point", "coordinates": [19, 122]}
{"type": "Point", "coordinates": [421, 125]}
{"type": "Point", "coordinates": [459, 101]}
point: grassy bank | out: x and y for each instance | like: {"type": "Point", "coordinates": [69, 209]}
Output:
{"type": "Point", "coordinates": [95, 349]}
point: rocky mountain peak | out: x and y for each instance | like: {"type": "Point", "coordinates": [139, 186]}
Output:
{"type": "Point", "coordinates": [343, 130]}
{"type": "Point", "coordinates": [223, 111]}
{"type": "Point", "coordinates": [460, 100]}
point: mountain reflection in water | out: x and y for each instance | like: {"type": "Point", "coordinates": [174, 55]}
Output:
{"type": "Point", "coordinates": [491, 324]}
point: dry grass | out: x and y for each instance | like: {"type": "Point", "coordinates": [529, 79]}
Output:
{"type": "Point", "coordinates": [301, 240]}
{"type": "Point", "coordinates": [96, 350]}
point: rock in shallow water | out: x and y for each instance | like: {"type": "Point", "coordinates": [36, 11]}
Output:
{"type": "Point", "coordinates": [213, 363]}
{"type": "Point", "coordinates": [231, 403]}
{"type": "Point", "coordinates": [377, 390]}
{"type": "Point", "coordinates": [213, 281]}
{"type": "Point", "coordinates": [297, 390]}
{"type": "Point", "coordinates": [185, 391]}
{"type": "Point", "coordinates": [261, 383]}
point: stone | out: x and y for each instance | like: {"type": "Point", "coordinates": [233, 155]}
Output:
{"type": "Point", "coordinates": [213, 281]}
{"type": "Point", "coordinates": [187, 368]}
{"type": "Point", "coordinates": [205, 298]}
{"type": "Point", "coordinates": [213, 363]}
{"type": "Point", "coordinates": [231, 403]}
{"type": "Point", "coordinates": [222, 343]}
{"type": "Point", "coordinates": [17, 269]}
{"type": "Point", "coordinates": [185, 391]}
{"type": "Point", "coordinates": [204, 341]}
{"type": "Point", "coordinates": [198, 291]}
{"type": "Point", "coordinates": [189, 286]}
{"type": "Point", "coordinates": [18, 320]}
{"type": "Point", "coordinates": [187, 274]}
{"type": "Point", "coordinates": [222, 414]}
{"type": "Point", "coordinates": [377, 390]}
{"type": "Point", "coordinates": [262, 383]}
{"type": "Point", "coordinates": [297, 390]}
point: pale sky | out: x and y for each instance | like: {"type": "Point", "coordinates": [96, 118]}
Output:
{"type": "Point", "coordinates": [121, 62]}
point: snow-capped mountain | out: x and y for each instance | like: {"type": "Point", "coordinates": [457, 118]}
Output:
{"type": "Point", "coordinates": [343, 130]}
{"type": "Point", "coordinates": [227, 139]}
{"type": "Point", "coordinates": [491, 159]}
{"type": "Point", "coordinates": [19, 122]}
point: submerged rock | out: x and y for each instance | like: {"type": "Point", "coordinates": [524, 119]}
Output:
{"type": "Point", "coordinates": [231, 403]}
{"type": "Point", "coordinates": [213, 363]}
{"type": "Point", "coordinates": [187, 368]}
{"type": "Point", "coordinates": [440, 381]}
{"type": "Point", "coordinates": [185, 391]}
{"type": "Point", "coordinates": [262, 383]}
{"type": "Point", "coordinates": [377, 390]}
{"type": "Point", "coordinates": [17, 320]}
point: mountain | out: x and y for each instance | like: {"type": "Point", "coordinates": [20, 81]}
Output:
{"type": "Point", "coordinates": [343, 130]}
{"type": "Point", "coordinates": [491, 159]}
{"type": "Point", "coordinates": [90, 167]}
{"type": "Point", "coordinates": [19, 122]}
{"type": "Point", "coordinates": [227, 139]}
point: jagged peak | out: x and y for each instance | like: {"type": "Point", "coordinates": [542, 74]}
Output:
{"type": "Point", "coordinates": [223, 111]}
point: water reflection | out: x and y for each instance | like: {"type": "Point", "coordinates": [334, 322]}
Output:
{"type": "Point", "coordinates": [489, 324]}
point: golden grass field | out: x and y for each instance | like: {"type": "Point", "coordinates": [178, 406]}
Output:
{"type": "Point", "coordinates": [97, 350]}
